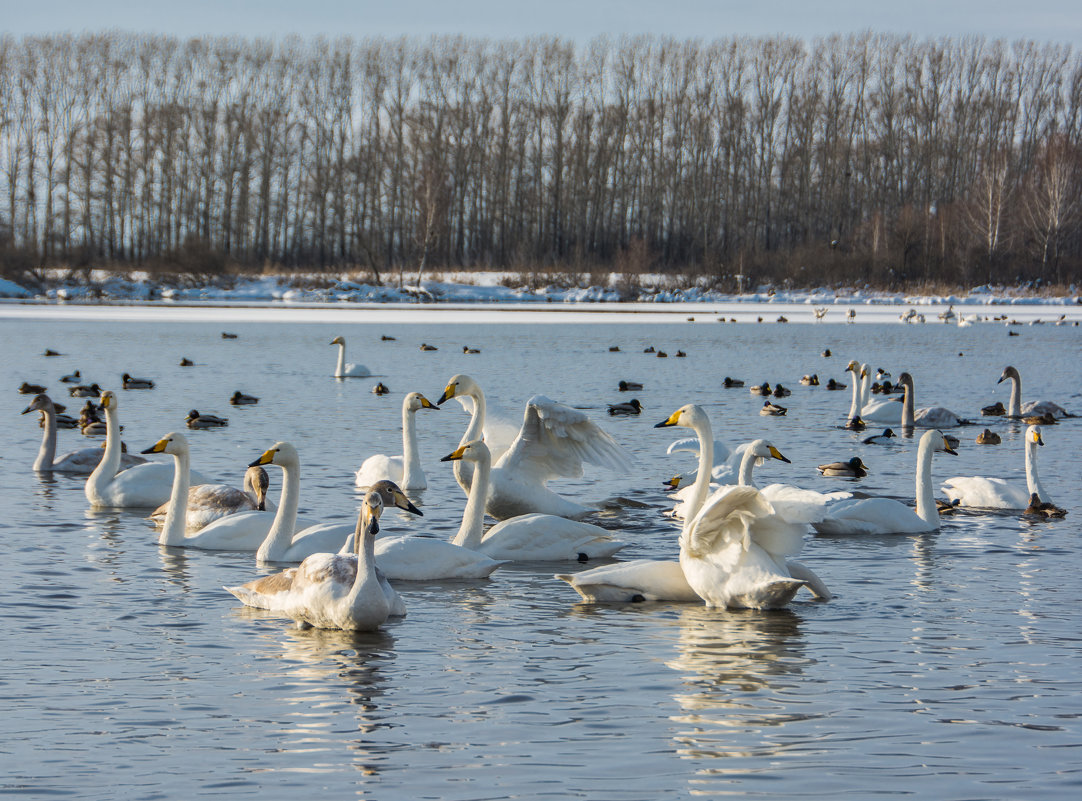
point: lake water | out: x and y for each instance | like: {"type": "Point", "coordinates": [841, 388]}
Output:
{"type": "Point", "coordinates": [948, 665]}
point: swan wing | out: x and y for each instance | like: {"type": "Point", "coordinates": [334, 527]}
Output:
{"type": "Point", "coordinates": [986, 493]}
{"type": "Point", "coordinates": [732, 520]}
{"type": "Point", "coordinates": [378, 467]}
{"type": "Point", "coordinates": [638, 580]}
{"type": "Point", "coordinates": [555, 440]}
{"type": "Point", "coordinates": [798, 505]}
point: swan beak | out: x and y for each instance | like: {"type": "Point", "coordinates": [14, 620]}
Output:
{"type": "Point", "coordinates": [852, 366]}
{"type": "Point", "coordinates": [1002, 378]}
{"type": "Point", "coordinates": [427, 404]}
{"type": "Point", "coordinates": [266, 458]}
{"type": "Point", "coordinates": [1038, 438]}
{"type": "Point", "coordinates": [863, 373]}
{"type": "Point", "coordinates": [27, 410]}
{"type": "Point", "coordinates": [402, 502]}
{"type": "Point", "coordinates": [455, 456]}
{"type": "Point", "coordinates": [447, 395]}
{"type": "Point", "coordinates": [674, 419]}
{"type": "Point", "coordinates": [777, 455]}
{"type": "Point", "coordinates": [157, 447]}
{"type": "Point", "coordinates": [371, 525]}
{"type": "Point", "coordinates": [335, 341]}
{"type": "Point", "coordinates": [948, 449]}
{"type": "Point", "coordinates": [105, 401]}
{"type": "Point", "coordinates": [673, 483]}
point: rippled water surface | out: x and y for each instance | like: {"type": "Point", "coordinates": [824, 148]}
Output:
{"type": "Point", "coordinates": [948, 666]}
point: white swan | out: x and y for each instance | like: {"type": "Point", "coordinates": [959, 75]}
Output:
{"type": "Point", "coordinates": [553, 441]}
{"type": "Point", "coordinates": [1018, 409]}
{"type": "Point", "coordinates": [860, 380]}
{"type": "Point", "coordinates": [888, 516]}
{"type": "Point", "coordinates": [531, 537]}
{"type": "Point", "coordinates": [343, 370]}
{"type": "Point", "coordinates": [726, 555]}
{"type": "Point", "coordinates": [210, 502]}
{"type": "Point", "coordinates": [145, 485]}
{"type": "Point", "coordinates": [997, 493]}
{"type": "Point", "coordinates": [330, 590]}
{"type": "Point", "coordinates": [404, 470]}
{"type": "Point", "coordinates": [929, 417]}
{"type": "Point", "coordinates": [81, 461]}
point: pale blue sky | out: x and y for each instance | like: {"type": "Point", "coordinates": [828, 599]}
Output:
{"type": "Point", "coordinates": [1041, 20]}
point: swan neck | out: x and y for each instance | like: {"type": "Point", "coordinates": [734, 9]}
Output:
{"type": "Point", "coordinates": [47, 451]}
{"type": "Point", "coordinates": [176, 513]}
{"type": "Point", "coordinates": [411, 458]}
{"type": "Point", "coordinates": [1014, 408]}
{"type": "Point", "coordinates": [1033, 478]}
{"type": "Point", "coordinates": [701, 487]}
{"type": "Point", "coordinates": [857, 404]}
{"type": "Point", "coordinates": [280, 536]}
{"type": "Point", "coordinates": [463, 470]}
{"type": "Point", "coordinates": [747, 464]}
{"type": "Point", "coordinates": [471, 532]}
{"type": "Point", "coordinates": [865, 388]}
{"type": "Point", "coordinates": [109, 465]}
{"type": "Point", "coordinates": [340, 370]}
{"type": "Point", "coordinates": [926, 508]}
{"type": "Point", "coordinates": [907, 407]}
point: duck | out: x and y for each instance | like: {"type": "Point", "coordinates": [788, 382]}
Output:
{"type": "Point", "coordinates": [405, 469]}
{"type": "Point", "coordinates": [380, 389]}
{"type": "Point", "coordinates": [198, 506]}
{"type": "Point", "coordinates": [855, 424]}
{"type": "Point", "coordinates": [826, 353]}
{"type": "Point", "coordinates": [881, 374]}
{"type": "Point", "coordinates": [680, 354]}
{"type": "Point", "coordinates": [948, 315]}
{"type": "Point", "coordinates": [344, 370]}
{"type": "Point", "coordinates": [734, 550]}
{"type": "Point", "coordinates": [238, 398]}
{"type": "Point", "coordinates": [781, 392]}
{"type": "Point", "coordinates": [531, 537]}
{"type": "Point", "coordinates": [834, 385]}
{"type": "Point", "coordinates": [51, 352]}
{"type": "Point", "coordinates": [996, 409]}
{"type": "Point", "coordinates": [648, 349]}
{"type": "Point", "coordinates": [144, 485]}
{"type": "Point", "coordinates": [1039, 508]}
{"type": "Point", "coordinates": [997, 493]}
{"type": "Point", "coordinates": [632, 407]}
{"type": "Point", "coordinates": [629, 386]}
{"type": "Point", "coordinates": [662, 354]}
{"type": "Point", "coordinates": [195, 420]}
{"type": "Point", "coordinates": [79, 462]}
{"type": "Point", "coordinates": [62, 421]}
{"type": "Point", "coordinates": [1018, 409]}
{"type": "Point", "coordinates": [782, 318]}
{"type": "Point", "coordinates": [129, 382]}
{"type": "Point", "coordinates": [988, 437]}
{"type": "Point", "coordinates": [426, 347]}
{"type": "Point", "coordinates": [854, 468]}
{"type": "Point", "coordinates": [27, 388]}
{"type": "Point", "coordinates": [729, 383]}
{"type": "Point", "coordinates": [554, 440]}
{"type": "Point", "coordinates": [468, 349]}
{"type": "Point", "coordinates": [880, 439]}
{"type": "Point", "coordinates": [886, 515]}
{"type": "Point", "coordinates": [71, 378]}
{"type": "Point", "coordinates": [614, 349]}
{"type": "Point", "coordinates": [332, 590]}
{"type": "Point", "coordinates": [1046, 419]}
{"type": "Point", "coordinates": [772, 410]}
{"type": "Point", "coordinates": [85, 391]}
{"type": "Point", "coordinates": [810, 380]}
{"type": "Point", "coordinates": [186, 362]}
{"type": "Point", "coordinates": [385, 338]}
{"type": "Point", "coordinates": [227, 335]}
{"type": "Point", "coordinates": [763, 389]}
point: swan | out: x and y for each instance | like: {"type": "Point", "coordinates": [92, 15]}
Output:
{"type": "Point", "coordinates": [930, 417]}
{"type": "Point", "coordinates": [888, 516]}
{"type": "Point", "coordinates": [553, 441]}
{"type": "Point", "coordinates": [330, 590]}
{"type": "Point", "coordinates": [997, 493]}
{"type": "Point", "coordinates": [343, 370]}
{"type": "Point", "coordinates": [733, 548]}
{"type": "Point", "coordinates": [81, 461]}
{"type": "Point", "coordinates": [498, 435]}
{"type": "Point", "coordinates": [145, 485]}
{"type": "Point", "coordinates": [210, 502]}
{"type": "Point", "coordinates": [404, 470]}
{"type": "Point", "coordinates": [531, 537]}
{"type": "Point", "coordinates": [1018, 409]}
{"type": "Point", "coordinates": [885, 410]}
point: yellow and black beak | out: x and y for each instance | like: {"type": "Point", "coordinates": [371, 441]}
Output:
{"type": "Point", "coordinates": [427, 404]}
{"type": "Point", "coordinates": [455, 455]}
{"type": "Point", "coordinates": [447, 395]}
{"type": "Point", "coordinates": [157, 447]}
{"type": "Point", "coordinates": [105, 401]}
{"type": "Point", "coordinates": [402, 502]}
{"type": "Point", "coordinates": [266, 458]}
{"type": "Point", "coordinates": [672, 420]}
{"type": "Point", "coordinates": [774, 452]}
{"type": "Point", "coordinates": [672, 484]}
{"type": "Point", "coordinates": [1038, 438]}
{"type": "Point", "coordinates": [948, 449]}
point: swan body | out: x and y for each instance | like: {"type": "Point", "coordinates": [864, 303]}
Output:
{"type": "Point", "coordinates": [343, 370]}
{"type": "Point", "coordinates": [997, 493]}
{"type": "Point", "coordinates": [530, 537]}
{"type": "Point", "coordinates": [1033, 408]}
{"type": "Point", "coordinates": [81, 461]}
{"type": "Point", "coordinates": [631, 582]}
{"type": "Point", "coordinates": [886, 515]}
{"type": "Point", "coordinates": [145, 485]}
{"type": "Point", "coordinates": [331, 590]}
{"type": "Point", "coordinates": [553, 441]}
{"type": "Point", "coordinates": [405, 470]}
{"type": "Point", "coordinates": [210, 502]}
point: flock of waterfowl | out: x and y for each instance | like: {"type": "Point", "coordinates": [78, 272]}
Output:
{"type": "Point", "coordinates": [737, 544]}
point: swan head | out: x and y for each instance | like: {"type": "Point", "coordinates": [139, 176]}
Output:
{"type": "Point", "coordinates": [280, 453]}
{"type": "Point", "coordinates": [853, 366]}
{"type": "Point", "coordinates": [337, 341]}
{"type": "Point", "coordinates": [391, 495]}
{"type": "Point", "coordinates": [1009, 372]}
{"type": "Point", "coordinates": [685, 417]}
{"type": "Point", "coordinates": [906, 380]}
{"type": "Point", "coordinates": [476, 451]}
{"type": "Point", "coordinates": [1033, 435]}
{"type": "Point", "coordinates": [173, 443]}
{"type": "Point", "coordinates": [257, 480]}
{"type": "Point", "coordinates": [107, 400]}
{"type": "Point", "coordinates": [939, 442]}
{"type": "Point", "coordinates": [415, 401]}
{"type": "Point", "coordinates": [763, 450]}
{"type": "Point", "coordinates": [459, 384]}
{"type": "Point", "coordinates": [41, 403]}
{"type": "Point", "coordinates": [368, 519]}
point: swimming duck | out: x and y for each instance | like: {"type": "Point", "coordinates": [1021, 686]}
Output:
{"type": "Point", "coordinates": [380, 389]}
{"type": "Point", "coordinates": [240, 399]}
{"type": "Point", "coordinates": [71, 378]}
{"type": "Point", "coordinates": [1038, 508]}
{"type": "Point", "coordinates": [772, 409]}
{"type": "Point", "coordinates": [1046, 419]}
{"type": "Point", "coordinates": [426, 347]}
{"type": "Point", "coordinates": [662, 354]}
{"type": "Point", "coordinates": [614, 349]}
{"type": "Point", "coordinates": [782, 392]}
{"type": "Point", "coordinates": [729, 383]}
{"type": "Point", "coordinates": [648, 349]}
{"type": "Point", "coordinates": [468, 349]}
{"type": "Point", "coordinates": [763, 389]}
{"type": "Point", "coordinates": [680, 354]}
{"type": "Point", "coordinates": [196, 420]}
{"type": "Point", "coordinates": [186, 362]}
{"type": "Point", "coordinates": [386, 338]}
{"type": "Point", "coordinates": [826, 353]}
{"type": "Point", "coordinates": [344, 370]}
{"type": "Point", "coordinates": [855, 424]}
{"type": "Point", "coordinates": [988, 437]}
{"type": "Point", "coordinates": [51, 352]}
{"type": "Point", "coordinates": [136, 383]}
{"type": "Point", "coordinates": [227, 335]}
{"type": "Point", "coordinates": [996, 409]}
{"type": "Point", "coordinates": [879, 439]}
{"type": "Point", "coordinates": [854, 468]}
{"type": "Point", "coordinates": [783, 319]}
{"type": "Point", "coordinates": [31, 389]}
{"type": "Point", "coordinates": [835, 385]}
{"type": "Point", "coordinates": [810, 380]}
{"type": "Point", "coordinates": [629, 386]}
{"type": "Point", "coordinates": [85, 391]}
{"type": "Point", "coordinates": [623, 409]}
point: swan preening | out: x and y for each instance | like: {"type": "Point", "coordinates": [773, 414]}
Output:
{"type": "Point", "coordinates": [343, 370]}
{"type": "Point", "coordinates": [81, 461]}
{"type": "Point", "coordinates": [332, 590]}
{"type": "Point", "coordinates": [405, 470]}
{"type": "Point", "coordinates": [553, 441]}
{"type": "Point", "coordinates": [1018, 409]}
{"type": "Point", "coordinates": [998, 493]}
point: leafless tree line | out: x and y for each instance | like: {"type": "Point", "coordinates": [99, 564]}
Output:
{"type": "Point", "coordinates": [872, 158]}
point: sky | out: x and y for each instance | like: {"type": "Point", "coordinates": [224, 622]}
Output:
{"type": "Point", "coordinates": [579, 20]}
